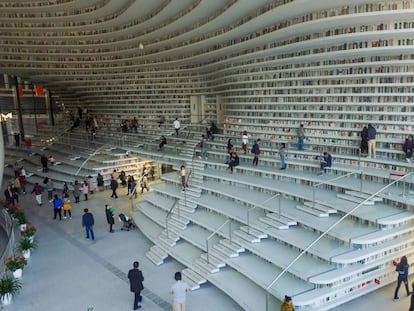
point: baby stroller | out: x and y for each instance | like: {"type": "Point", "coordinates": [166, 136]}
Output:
{"type": "Point", "coordinates": [127, 223]}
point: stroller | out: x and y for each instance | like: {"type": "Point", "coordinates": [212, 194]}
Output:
{"type": "Point", "coordinates": [127, 223]}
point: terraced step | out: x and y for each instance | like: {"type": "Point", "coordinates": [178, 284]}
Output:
{"type": "Point", "coordinates": [281, 218]}
{"type": "Point", "coordinates": [213, 259]}
{"type": "Point", "coordinates": [354, 199]}
{"type": "Point", "coordinates": [274, 223]}
{"type": "Point", "coordinates": [320, 207]}
{"type": "Point", "coordinates": [363, 195]}
{"type": "Point", "coordinates": [311, 211]}
{"type": "Point", "coordinates": [194, 276]}
{"type": "Point", "coordinates": [156, 255]}
{"type": "Point", "coordinates": [257, 233]}
{"type": "Point", "coordinates": [246, 236]}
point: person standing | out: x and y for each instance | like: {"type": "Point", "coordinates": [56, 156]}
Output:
{"type": "Point", "coordinates": [76, 191]}
{"type": "Point", "coordinates": [408, 148]}
{"type": "Point", "coordinates": [134, 124]}
{"type": "Point", "coordinates": [17, 139]}
{"type": "Point", "coordinates": [256, 152]}
{"type": "Point", "coordinates": [179, 292]}
{"type": "Point", "coordinates": [37, 190]}
{"type": "Point", "coordinates": [282, 155]}
{"type": "Point", "coordinates": [114, 186]}
{"type": "Point", "coordinates": [176, 126]}
{"type": "Point", "coordinates": [57, 207]}
{"type": "Point", "coordinates": [402, 270]}
{"type": "Point", "coordinates": [85, 189]}
{"type": "Point", "coordinates": [109, 212]}
{"type": "Point", "coordinates": [287, 304]}
{"type": "Point", "coordinates": [136, 279]}
{"type": "Point", "coordinates": [245, 141]}
{"type": "Point", "coordinates": [91, 184]}
{"type": "Point", "coordinates": [49, 186]}
{"type": "Point", "coordinates": [203, 147]}
{"type": "Point", "coordinates": [44, 161]}
{"type": "Point", "coordinates": [183, 173]}
{"type": "Point", "coordinates": [8, 194]}
{"type": "Point", "coordinates": [364, 140]}
{"type": "Point", "coordinates": [100, 182]}
{"type": "Point", "coordinates": [301, 136]}
{"type": "Point", "coordinates": [87, 223]}
{"type": "Point", "coordinates": [372, 132]}
{"type": "Point", "coordinates": [22, 181]}
{"type": "Point", "coordinates": [65, 190]}
{"type": "Point", "coordinates": [66, 208]}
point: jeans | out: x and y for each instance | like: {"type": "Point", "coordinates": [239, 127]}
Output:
{"type": "Point", "coordinates": [204, 153]}
{"type": "Point", "coordinates": [89, 231]}
{"type": "Point", "coordinates": [282, 161]}
{"type": "Point", "coordinates": [400, 280]}
{"type": "Point", "coordinates": [301, 140]}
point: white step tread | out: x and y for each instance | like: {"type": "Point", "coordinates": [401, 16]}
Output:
{"type": "Point", "coordinates": [246, 236]}
{"type": "Point", "coordinates": [363, 195]}
{"type": "Point", "coordinates": [225, 250]}
{"type": "Point", "coordinates": [273, 223]}
{"type": "Point", "coordinates": [311, 211]}
{"type": "Point", "coordinates": [282, 219]}
{"type": "Point", "coordinates": [193, 275]}
{"type": "Point", "coordinates": [354, 199]}
{"type": "Point", "coordinates": [257, 233]}
{"type": "Point", "coordinates": [232, 246]}
{"type": "Point", "coordinates": [320, 207]}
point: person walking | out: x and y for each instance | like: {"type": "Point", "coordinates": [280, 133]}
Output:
{"type": "Point", "coordinates": [88, 222]}
{"type": "Point", "coordinates": [402, 270]}
{"type": "Point", "coordinates": [245, 141]}
{"type": "Point", "coordinates": [144, 182]}
{"type": "Point", "coordinates": [287, 304]}
{"type": "Point", "coordinates": [301, 136]}
{"type": "Point", "coordinates": [203, 147]}
{"type": "Point", "coordinates": [85, 189]}
{"type": "Point", "coordinates": [44, 161]}
{"type": "Point", "coordinates": [176, 126]}
{"type": "Point", "coordinates": [372, 132]}
{"type": "Point", "coordinates": [364, 140]}
{"type": "Point", "coordinates": [37, 190]}
{"type": "Point", "coordinates": [91, 184]}
{"type": "Point", "coordinates": [179, 292]}
{"type": "Point", "coordinates": [408, 148]}
{"type": "Point", "coordinates": [256, 152]}
{"type": "Point", "coordinates": [136, 279]}
{"type": "Point", "coordinates": [57, 207]}
{"type": "Point", "coordinates": [282, 155]}
{"type": "Point", "coordinates": [134, 124]}
{"type": "Point", "coordinates": [109, 212]}
{"type": "Point", "coordinates": [114, 186]}
{"type": "Point", "coordinates": [65, 190]}
{"type": "Point", "coordinates": [76, 191]}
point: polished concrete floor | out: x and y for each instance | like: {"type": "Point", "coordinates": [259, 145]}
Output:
{"type": "Point", "coordinates": [68, 272]}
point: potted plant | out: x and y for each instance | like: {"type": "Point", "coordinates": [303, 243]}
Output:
{"type": "Point", "coordinates": [16, 264]}
{"type": "Point", "coordinates": [29, 232]}
{"type": "Point", "coordinates": [21, 217]}
{"type": "Point", "coordinates": [8, 287]}
{"type": "Point", "coordinates": [26, 246]}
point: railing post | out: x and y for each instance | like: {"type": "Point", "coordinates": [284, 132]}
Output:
{"type": "Point", "coordinates": [360, 183]}
{"type": "Point", "coordinates": [208, 256]}
{"type": "Point", "coordinates": [279, 206]}
{"type": "Point", "coordinates": [230, 230]}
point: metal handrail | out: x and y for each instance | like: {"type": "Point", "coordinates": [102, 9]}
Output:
{"type": "Point", "coordinates": [256, 206]}
{"type": "Point", "coordinates": [215, 231]}
{"type": "Point", "coordinates": [326, 182]}
{"type": "Point", "coordinates": [326, 232]}
{"type": "Point", "coordinates": [88, 158]}
{"type": "Point", "coordinates": [168, 217]}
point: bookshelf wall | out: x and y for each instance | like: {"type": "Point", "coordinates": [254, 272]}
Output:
{"type": "Point", "coordinates": [333, 66]}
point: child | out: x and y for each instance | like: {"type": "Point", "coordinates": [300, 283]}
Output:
{"type": "Point", "coordinates": [66, 208]}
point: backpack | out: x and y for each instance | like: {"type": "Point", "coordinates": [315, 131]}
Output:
{"type": "Point", "coordinates": [252, 151]}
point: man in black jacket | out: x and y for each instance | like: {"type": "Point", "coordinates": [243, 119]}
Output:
{"type": "Point", "coordinates": [135, 280]}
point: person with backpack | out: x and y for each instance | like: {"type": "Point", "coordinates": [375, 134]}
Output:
{"type": "Point", "coordinates": [402, 270]}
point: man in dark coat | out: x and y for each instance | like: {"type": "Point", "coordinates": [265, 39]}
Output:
{"type": "Point", "coordinates": [43, 160]}
{"type": "Point", "coordinates": [114, 186]}
{"type": "Point", "coordinates": [135, 280]}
